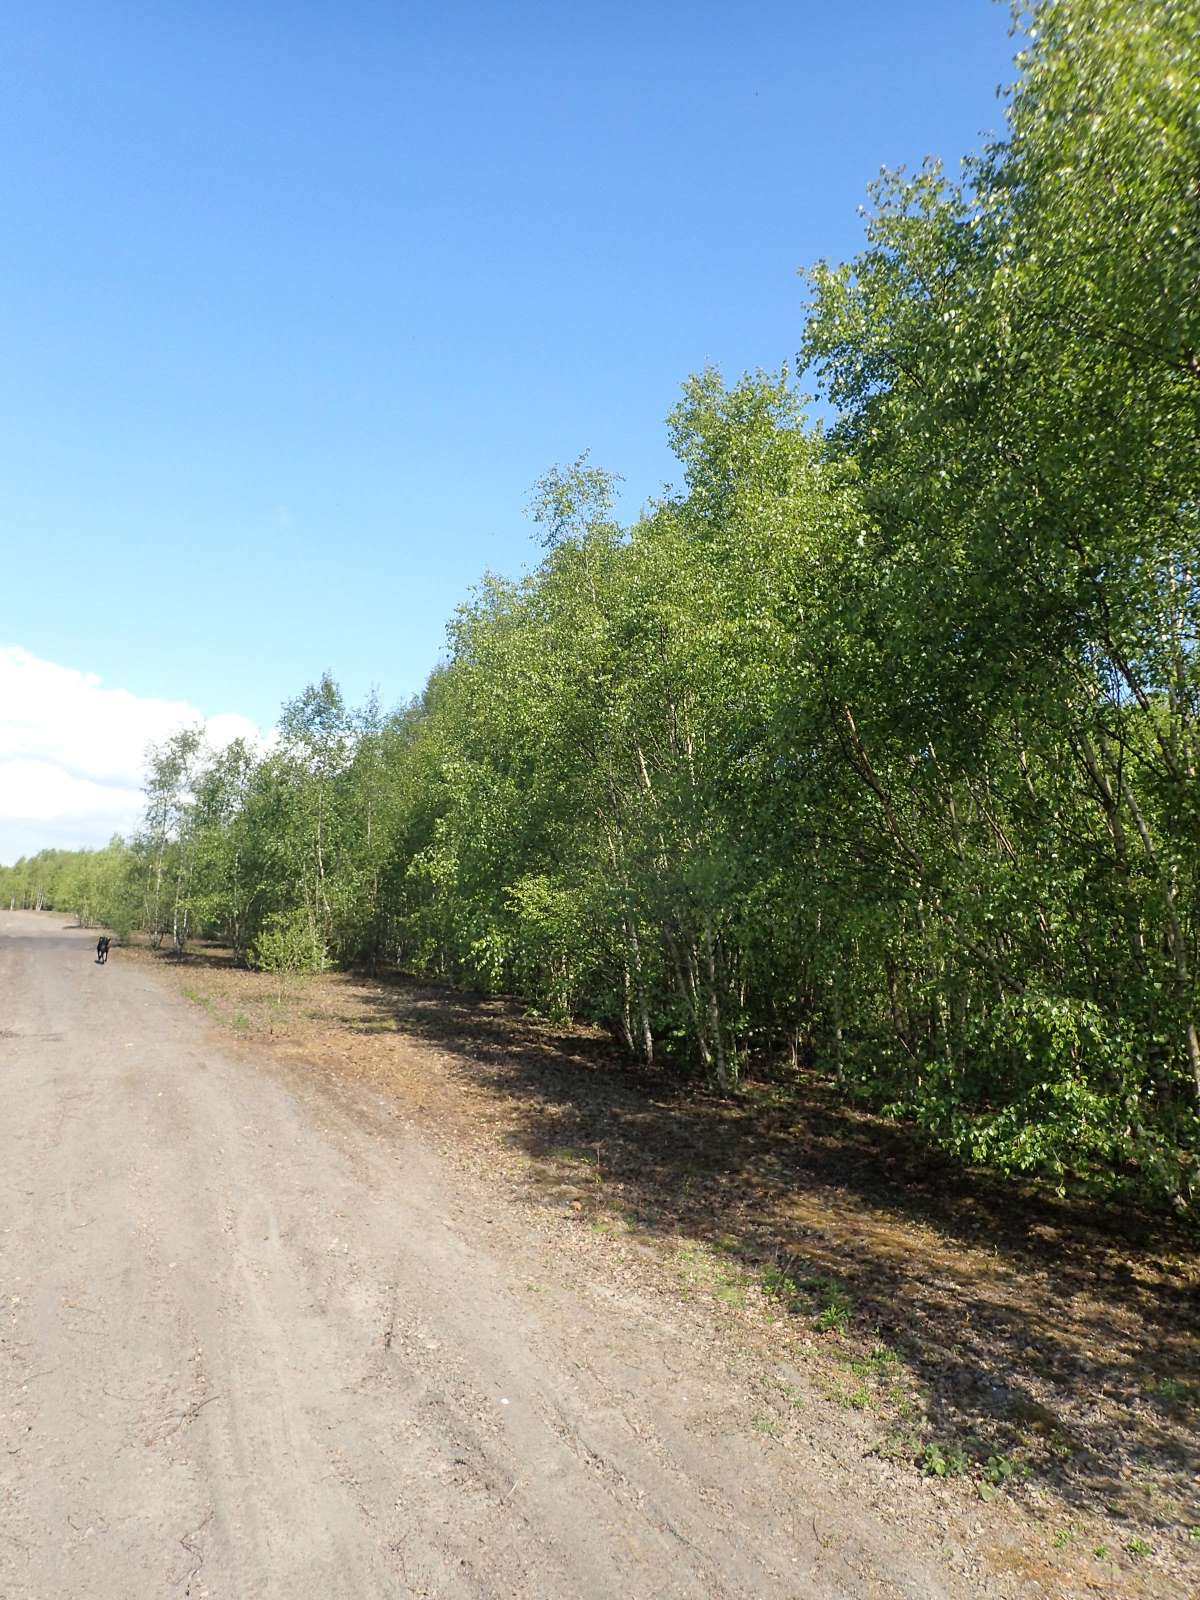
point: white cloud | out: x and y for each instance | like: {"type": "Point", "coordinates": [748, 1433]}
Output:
{"type": "Point", "coordinates": [72, 752]}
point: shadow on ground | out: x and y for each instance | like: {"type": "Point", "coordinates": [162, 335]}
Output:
{"type": "Point", "coordinates": [1040, 1332]}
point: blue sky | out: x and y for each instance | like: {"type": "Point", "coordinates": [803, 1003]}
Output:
{"type": "Point", "coordinates": [299, 299]}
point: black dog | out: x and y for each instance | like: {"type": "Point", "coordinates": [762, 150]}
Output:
{"type": "Point", "coordinates": [102, 945]}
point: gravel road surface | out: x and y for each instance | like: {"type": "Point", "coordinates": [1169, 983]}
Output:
{"type": "Point", "coordinates": [258, 1341]}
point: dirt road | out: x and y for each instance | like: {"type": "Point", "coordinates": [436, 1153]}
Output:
{"type": "Point", "coordinates": [257, 1341]}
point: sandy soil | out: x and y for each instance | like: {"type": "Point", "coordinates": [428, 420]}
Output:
{"type": "Point", "coordinates": [263, 1332]}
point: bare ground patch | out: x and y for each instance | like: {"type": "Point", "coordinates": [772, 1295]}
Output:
{"type": "Point", "coordinates": [1035, 1363]}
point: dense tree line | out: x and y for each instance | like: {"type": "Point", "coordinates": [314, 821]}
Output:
{"type": "Point", "coordinates": [874, 749]}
